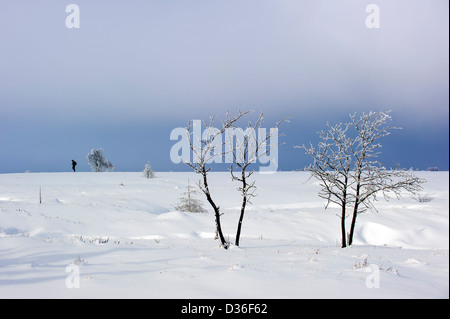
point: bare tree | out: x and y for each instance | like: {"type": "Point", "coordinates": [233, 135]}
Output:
{"type": "Point", "coordinates": [332, 163]}
{"type": "Point", "coordinates": [207, 149]}
{"type": "Point", "coordinates": [370, 176]}
{"type": "Point", "coordinates": [243, 149]}
{"type": "Point", "coordinates": [346, 164]}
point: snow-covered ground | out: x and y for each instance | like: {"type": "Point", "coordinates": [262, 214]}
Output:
{"type": "Point", "coordinates": [117, 235]}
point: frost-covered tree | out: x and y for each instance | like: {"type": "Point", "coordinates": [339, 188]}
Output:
{"type": "Point", "coordinates": [206, 149]}
{"type": "Point", "coordinates": [97, 162]}
{"type": "Point", "coordinates": [245, 147]}
{"type": "Point", "coordinates": [370, 177]}
{"type": "Point", "coordinates": [188, 203]}
{"type": "Point", "coordinates": [346, 163]}
{"type": "Point", "coordinates": [332, 162]}
{"type": "Point", "coordinates": [241, 148]}
{"type": "Point", "coordinates": [147, 172]}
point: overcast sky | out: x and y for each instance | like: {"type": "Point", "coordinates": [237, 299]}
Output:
{"type": "Point", "coordinates": [135, 70]}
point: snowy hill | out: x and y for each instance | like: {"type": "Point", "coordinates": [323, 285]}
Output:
{"type": "Point", "coordinates": [117, 235]}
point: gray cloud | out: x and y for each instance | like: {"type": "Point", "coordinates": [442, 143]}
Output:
{"type": "Point", "coordinates": [181, 56]}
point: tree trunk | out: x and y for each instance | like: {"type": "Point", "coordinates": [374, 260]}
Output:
{"type": "Point", "coordinates": [241, 217]}
{"type": "Point", "coordinates": [344, 206]}
{"type": "Point", "coordinates": [224, 243]}
{"type": "Point", "coordinates": [355, 210]}
{"type": "Point", "coordinates": [343, 235]}
{"type": "Point", "coordinates": [244, 203]}
{"type": "Point", "coordinates": [352, 226]}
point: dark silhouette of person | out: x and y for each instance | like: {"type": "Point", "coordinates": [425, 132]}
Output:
{"type": "Point", "coordinates": [73, 165]}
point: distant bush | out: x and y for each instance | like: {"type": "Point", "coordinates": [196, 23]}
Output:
{"type": "Point", "coordinates": [148, 171]}
{"type": "Point", "coordinates": [423, 198]}
{"type": "Point", "coordinates": [188, 203]}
